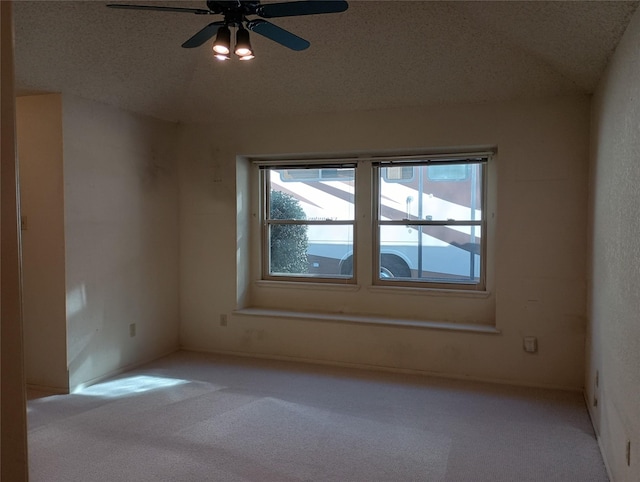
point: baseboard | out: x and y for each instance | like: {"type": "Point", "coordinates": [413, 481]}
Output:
{"type": "Point", "coordinates": [597, 434]}
{"type": "Point", "coordinates": [121, 370]}
{"type": "Point", "coordinates": [604, 458]}
{"type": "Point", "coordinates": [47, 389]}
{"type": "Point", "coordinates": [381, 368]}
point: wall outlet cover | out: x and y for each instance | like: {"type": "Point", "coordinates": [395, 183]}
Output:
{"type": "Point", "coordinates": [530, 344]}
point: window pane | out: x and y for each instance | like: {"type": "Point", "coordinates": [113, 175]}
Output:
{"type": "Point", "coordinates": [448, 172]}
{"type": "Point", "coordinates": [397, 173]}
{"type": "Point", "coordinates": [447, 196]}
{"type": "Point", "coordinates": [317, 194]}
{"type": "Point", "coordinates": [316, 250]}
{"type": "Point", "coordinates": [446, 254]}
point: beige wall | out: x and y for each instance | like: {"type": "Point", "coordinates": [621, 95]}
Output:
{"type": "Point", "coordinates": [614, 300]}
{"type": "Point", "coordinates": [100, 252]}
{"type": "Point", "coordinates": [538, 279]}
{"type": "Point", "coordinates": [39, 123]}
{"type": "Point", "coordinates": [121, 220]}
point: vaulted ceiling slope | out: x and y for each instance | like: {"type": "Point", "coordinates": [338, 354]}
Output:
{"type": "Point", "coordinates": [376, 55]}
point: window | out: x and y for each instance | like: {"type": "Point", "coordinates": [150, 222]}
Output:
{"type": "Point", "coordinates": [309, 221]}
{"type": "Point", "coordinates": [423, 220]}
{"type": "Point", "coordinates": [430, 228]}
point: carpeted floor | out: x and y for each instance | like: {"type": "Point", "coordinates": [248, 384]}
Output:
{"type": "Point", "coordinates": [197, 417]}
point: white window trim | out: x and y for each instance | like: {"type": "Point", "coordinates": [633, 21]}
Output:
{"type": "Point", "coordinates": [411, 304]}
{"type": "Point", "coordinates": [474, 158]}
{"type": "Point", "coordinates": [365, 320]}
{"type": "Point", "coordinates": [265, 274]}
{"type": "Point", "coordinates": [365, 222]}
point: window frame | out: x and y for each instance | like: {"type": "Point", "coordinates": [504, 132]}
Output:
{"type": "Point", "coordinates": [366, 211]}
{"type": "Point", "coordinates": [482, 160]}
{"type": "Point", "coordinates": [266, 169]}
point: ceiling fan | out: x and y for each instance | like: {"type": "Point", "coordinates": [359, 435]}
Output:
{"type": "Point", "coordinates": [235, 13]}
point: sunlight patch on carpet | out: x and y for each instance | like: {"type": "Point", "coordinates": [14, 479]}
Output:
{"type": "Point", "coordinates": [129, 386]}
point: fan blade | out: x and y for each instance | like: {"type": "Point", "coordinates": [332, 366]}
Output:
{"type": "Point", "coordinates": [203, 35]}
{"type": "Point", "coordinates": [197, 11]}
{"type": "Point", "coordinates": [305, 7]}
{"type": "Point", "coordinates": [277, 34]}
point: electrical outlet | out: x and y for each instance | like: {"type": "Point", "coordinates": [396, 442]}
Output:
{"type": "Point", "coordinates": [223, 320]}
{"type": "Point", "coordinates": [530, 344]}
{"type": "Point", "coordinates": [628, 452]}
{"type": "Point", "coordinates": [132, 330]}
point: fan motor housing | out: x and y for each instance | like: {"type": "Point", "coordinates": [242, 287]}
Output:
{"type": "Point", "coordinates": [230, 8]}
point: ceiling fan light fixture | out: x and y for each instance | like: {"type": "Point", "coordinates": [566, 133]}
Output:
{"type": "Point", "coordinates": [248, 57]}
{"type": "Point", "coordinates": [243, 44]}
{"type": "Point", "coordinates": [222, 45]}
{"type": "Point", "coordinates": [235, 14]}
{"type": "Point", "coordinates": [221, 56]}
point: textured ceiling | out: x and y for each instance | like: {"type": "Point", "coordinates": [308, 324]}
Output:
{"type": "Point", "coordinates": [377, 54]}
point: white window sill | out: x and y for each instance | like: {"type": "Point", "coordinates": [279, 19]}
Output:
{"type": "Point", "coordinates": [365, 320]}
